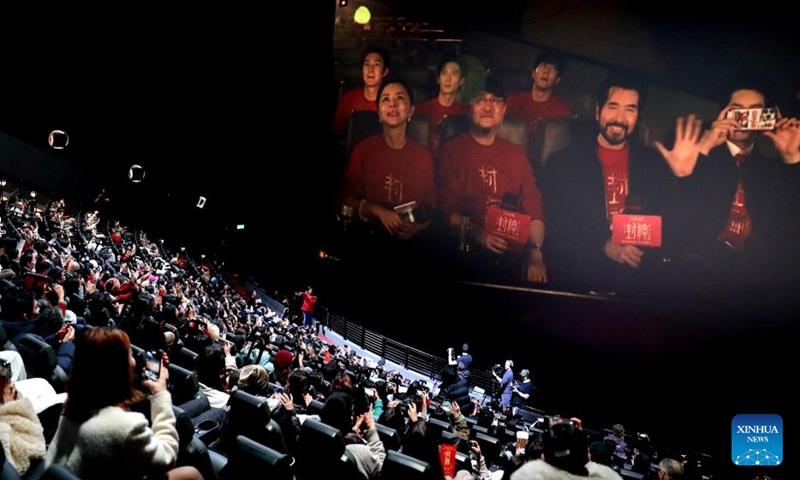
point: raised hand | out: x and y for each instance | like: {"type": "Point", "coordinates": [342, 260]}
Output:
{"type": "Point", "coordinates": [683, 157]}
{"type": "Point", "coordinates": [786, 139]}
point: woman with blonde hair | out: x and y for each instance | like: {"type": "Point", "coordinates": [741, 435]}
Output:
{"type": "Point", "coordinates": [98, 437]}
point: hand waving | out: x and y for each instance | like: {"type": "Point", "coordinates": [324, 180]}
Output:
{"type": "Point", "coordinates": [786, 139]}
{"type": "Point", "coordinates": [683, 157]}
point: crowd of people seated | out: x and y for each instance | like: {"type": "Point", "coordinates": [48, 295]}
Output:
{"type": "Point", "coordinates": [466, 192]}
{"type": "Point", "coordinates": [120, 360]}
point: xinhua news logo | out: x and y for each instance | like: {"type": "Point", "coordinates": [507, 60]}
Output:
{"type": "Point", "coordinates": [757, 440]}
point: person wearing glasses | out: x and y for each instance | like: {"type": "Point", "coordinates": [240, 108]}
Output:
{"type": "Point", "coordinates": [478, 171]}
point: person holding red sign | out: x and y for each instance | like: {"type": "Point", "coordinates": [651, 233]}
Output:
{"type": "Point", "coordinates": [488, 194]}
{"type": "Point", "coordinates": [587, 183]}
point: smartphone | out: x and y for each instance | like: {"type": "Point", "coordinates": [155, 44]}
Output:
{"type": "Point", "coordinates": [5, 369]}
{"type": "Point", "coordinates": [754, 118]}
{"type": "Point", "coordinates": [152, 365]}
{"type": "Point", "coordinates": [370, 392]}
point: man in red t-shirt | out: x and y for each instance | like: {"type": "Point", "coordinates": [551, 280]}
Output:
{"type": "Point", "coordinates": [585, 184]}
{"type": "Point", "coordinates": [477, 170]}
{"type": "Point", "coordinates": [540, 102]}
{"type": "Point", "coordinates": [450, 78]}
{"type": "Point", "coordinates": [374, 68]}
{"type": "Point", "coordinates": [309, 300]}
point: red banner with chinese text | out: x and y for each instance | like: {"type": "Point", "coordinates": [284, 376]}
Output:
{"type": "Point", "coordinates": [510, 225]}
{"type": "Point", "coordinates": [447, 453]}
{"type": "Point", "coordinates": [639, 230]}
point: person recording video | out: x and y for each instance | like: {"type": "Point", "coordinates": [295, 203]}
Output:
{"type": "Point", "coordinates": [523, 389]}
{"type": "Point", "coordinates": [506, 381]}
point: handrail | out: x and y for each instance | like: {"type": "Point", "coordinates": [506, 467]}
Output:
{"type": "Point", "coordinates": [407, 357]}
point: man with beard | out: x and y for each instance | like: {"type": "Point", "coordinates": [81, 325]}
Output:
{"type": "Point", "coordinates": [585, 184]}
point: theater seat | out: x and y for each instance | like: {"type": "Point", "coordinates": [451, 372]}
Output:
{"type": "Point", "coordinates": [398, 466]}
{"type": "Point", "coordinates": [185, 358]}
{"type": "Point", "coordinates": [321, 453]}
{"type": "Point", "coordinates": [248, 458]}
{"type": "Point", "coordinates": [40, 361]}
{"type": "Point", "coordinates": [389, 436]}
{"type": "Point", "coordinates": [250, 416]}
{"type": "Point", "coordinates": [553, 134]}
{"type": "Point", "coordinates": [57, 472]}
{"type": "Point", "coordinates": [184, 385]}
{"type": "Point", "coordinates": [5, 343]}
{"type": "Point", "coordinates": [452, 126]}
{"type": "Point", "coordinates": [490, 446]}
{"type": "Point", "coordinates": [436, 426]}
{"type": "Point", "coordinates": [315, 407]}
{"type": "Point", "coordinates": [515, 131]}
{"type": "Point", "coordinates": [191, 449]}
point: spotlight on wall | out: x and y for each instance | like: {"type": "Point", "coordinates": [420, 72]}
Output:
{"type": "Point", "coordinates": [343, 3]}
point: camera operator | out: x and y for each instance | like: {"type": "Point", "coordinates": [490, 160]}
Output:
{"type": "Point", "coordinates": [506, 381]}
{"type": "Point", "coordinates": [522, 390]}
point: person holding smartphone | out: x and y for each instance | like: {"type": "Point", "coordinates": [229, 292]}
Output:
{"type": "Point", "coordinates": [98, 436]}
{"type": "Point", "coordinates": [735, 215]}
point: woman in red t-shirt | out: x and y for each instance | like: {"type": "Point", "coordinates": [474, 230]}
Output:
{"type": "Point", "coordinates": [391, 169]}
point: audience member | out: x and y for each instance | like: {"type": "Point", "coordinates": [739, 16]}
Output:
{"type": "Point", "coordinates": [375, 63]}
{"type": "Point", "coordinates": [98, 437]}
{"type": "Point", "coordinates": [541, 101]}
{"type": "Point", "coordinates": [21, 432]}
{"type": "Point", "coordinates": [566, 455]}
{"type": "Point", "coordinates": [670, 469]}
{"type": "Point", "coordinates": [735, 245]}
{"type": "Point", "coordinates": [360, 434]}
{"type": "Point", "coordinates": [450, 77]}
{"type": "Point", "coordinates": [391, 169]}
{"type": "Point", "coordinates": [586, 183]}
{"type": "Point", "coordinates": [454, 389]}
{"type": "Point", "coordinates": [480, 174]}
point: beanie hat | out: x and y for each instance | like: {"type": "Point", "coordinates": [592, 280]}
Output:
{"type": "Point", "coordinates": [283, 359]}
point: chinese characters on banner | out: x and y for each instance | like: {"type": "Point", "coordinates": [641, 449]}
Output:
{"type": "Point", "coordinates": [510, 225]}
{"type": "Point", "coordinates": [447, 454]}
{"type": "Point", "coordinates": [639, 230]}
